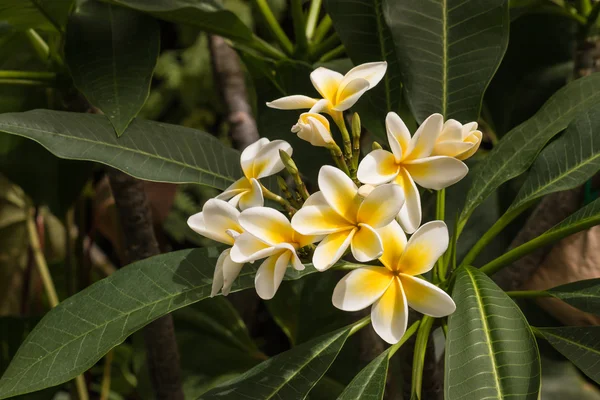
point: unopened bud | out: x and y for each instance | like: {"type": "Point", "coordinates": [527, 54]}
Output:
{"type": "Point", "coordinates": [356, 128]}
{"type": "Point", "coordinates": [376, 146]}
{"type": "Point", "coordinates": [289, 164]}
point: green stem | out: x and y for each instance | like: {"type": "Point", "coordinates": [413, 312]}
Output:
{"type": "Point", "coordinates": [313, 15]}
{"type": "Point", "coordinates": [407, 335]}
{"type": "Point", "coordinates": [322, 29]}
{"type": "Point", "coordinates": [487, 237]}
{"type": "Point", "coordinates": [419, 355]}
{"type": "Point", "coordinates": [265, 48]}
{"type": "Point", "coordinates": [338, 157]}
{"type": "Point", "coordinates": [333, 54]}
{"type": "Point", "coordinates": [439, 273]}
{"type": "Point", "coordinates": [592, 17]}
{"type": "Point", "coordinates": [106, 375]}
{"type": "Point", "coordinates": [274, 27]}
{"type": "Point", "coordinates": [341, 124]}
{"type": "Point", "coordinates": [526, 294]}
{"type": "Point", "coordinates": [324, 47]}
{"type": "Point", "coordinates": [272, 196]}
{"type": "Point", "coordinates": [42, 49]}
{"type": "Point", "coordinates": [28, 75]}
{"type": "Point", "coordinates": [543, 240]}
{"type": "Point", "coordinates": [358, 325]}
{"type": "Point", "coordinates": [356, 132]}
{"type": "Point", "coordinates": [299, 27]}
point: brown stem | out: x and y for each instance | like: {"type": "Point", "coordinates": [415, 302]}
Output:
{"type": "Point", "coordinates": [140, 243]}
{"type": "Point", "coordinates": [232, 84]}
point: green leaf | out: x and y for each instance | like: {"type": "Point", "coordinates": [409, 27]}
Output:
{"type": "Point", "coordinates": [289, 375]}
{"type": "Point", "coordinates": [490, 350]}
{"type": "Point", "coordinates": [152, 151]}
{"type": "Point", "coordinates": [366, 38]}
{"type": "Point", "coordinates": [565, 163]}
{"type": "Point", "coordinates": [581, 345]}
{"type": "Point", "coordinates": [518, 148]}
{"type": "Point", "coordinates": [50, 15]}
{"type": "Point", "coordinates": [369, 384]}
{"type": "Point", "coordinates": [73, 336]}
{"type": "Point", "coordinates": [449, 51]}
{"type": "Point", "coordinates": [584, 295]}
{"type": "Point", "coordinates": [208, 15]}
{"type": "Point", "coordinates": [114, 71]}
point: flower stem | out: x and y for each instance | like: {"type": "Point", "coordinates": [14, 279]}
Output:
{"type": "Point", "coordinates": [338, 157]}
{"type": "Point", "coordinates": [339, 121]}
{"type": "Point", "coordinates": [299, 27]}
{"type": "Point", "coordinates": [270, 195]}
{"type": "Point", "coordinates": [322, 48]}
{"type": "Point", "coordinates": [358, 325]}
{"type": "Point", "coordinates": [419, 355]}
{"type": "Point", "coordinates": [105, 388]}
{"type": "Point", "coordinates": [265, 48]}
{"type": "Point", "coordinates": [313, 14]}
{"type": "Point", "coordinates": [322, 29]}
{"type": "Point", "coordinates": [439, 271]}
{"type": "Point", "coordinates": [407, 335]}
{"type": "Point", "coordinates": [274, 27]}
{"type": "Point", "coordinates": [526, 294]}
{"type": "Point", "coordinates": [356, 131]}
{"type": "Point", "coordinates": [333, 54]}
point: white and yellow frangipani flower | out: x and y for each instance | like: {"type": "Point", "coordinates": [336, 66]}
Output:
{"type": "Point", "coordinates": [457, 140]}
{"type": "Point", "coordinates": [219, 221]}
{"type": "Point", "coordinates": [340, 92]}
{"type": "Point", "coordinates": [411, 161]}
{"type": "Point", "coordinates": [314, 128]}
{"type": "Point", "coordinates": [259, 160]}
{"type": "Point", "coordinates": [268, 234]}
{"type": "Point", "coordinates": [393, 288]}
{"type": "Point", "coordinates": [348, 219]}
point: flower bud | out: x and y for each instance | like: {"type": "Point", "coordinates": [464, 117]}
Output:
{"type": "Point", "coordinates": [314, 128]}
{"type": "Point", "coordinates": [289, 164]}
{"type": "Point", "coordinates": [457, 140]}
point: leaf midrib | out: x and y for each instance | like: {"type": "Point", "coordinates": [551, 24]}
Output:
{"type": "Point", "coordinates": [156, 156]}
{"type": "Point", "coordinates": [578, 344]}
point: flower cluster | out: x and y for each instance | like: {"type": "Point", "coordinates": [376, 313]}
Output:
{"type": "Point", "coordinates": [362, 208]}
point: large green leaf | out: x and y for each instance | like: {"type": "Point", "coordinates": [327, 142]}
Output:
{"type": "Point", "coordinates": [208, 15]}
{"type": "Point", "coordinates": [518, 148]}
{"type": "Point", "coordinates": [151, 150]}
{"type": "Point", "coordinates": [111, 53]}
{"type": "Point", "coordinates": [366, 38]}
{"type": "Point", "coordinates": [448, 51]}
{"type": "Point", "coordinates": [490, 350]}
{"type": "Point", "coordinates": [584, 295]}
{"type": "Point", "coordinates": [581, 345]}
{"type": "Point", "coordinates": [289, 375]}
{"type": "Point", "coordinates": [37, 14]}
{"type": "Point", "coordinates": [369, 384]}
{"type": "Point", "coordinates": [565, 163]}
{"type": "Point", "coordinates": [79, 331]}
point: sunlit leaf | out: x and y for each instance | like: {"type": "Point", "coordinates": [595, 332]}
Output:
{"type": "Point", "coordinates": [151, 150]}
{"type": "Point", "coordinates": [79, 331]}
{"type": "Point", "coordinates": [111, 53]}
{"type": "Point", "coordinates": [448, 51]}
{"type": "Point", "coordinates": [490, 350]}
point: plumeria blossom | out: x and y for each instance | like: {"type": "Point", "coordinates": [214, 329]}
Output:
{"type": "Point", "coordinates": [411, 161]}
{"type": "Point", "coordinates": [219, 221]}
{"type": "Point", "coordinates": [348, 219]}
{"type": "Point", "coordinates": [393, 288]}
{"type": "Point", "coordinates": [340, 92]}
{"type": "Point", "coordinates": [314, 128]}
{"type": "Point", "coordinates": [268, 234]}
{"type": "Point", "coordinates": [259, 160]}
{"type": "Point", "coordinates": [457, 140]}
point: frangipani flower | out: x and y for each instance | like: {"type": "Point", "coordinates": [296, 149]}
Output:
{"type": "Point", "coordinates": [268, 233]}
{"type": "Point", "coordinates": [314, 128]}
{"type": "Point", "coordinates": [411, 161]}
{"type": "Point", "coordinates": [219, 221]}
{"type": "Point", "coordinates": [457, 140]}
{"type": "Point", "coordinates": [347, 219]}
{"type": "Point", "coordinates": [340, 92]}
{"type": "Point", "coordinates": [394, 287]}
{"type": "Point", "coordinates": [259, 160]}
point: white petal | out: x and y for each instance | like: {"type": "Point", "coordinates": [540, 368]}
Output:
{"type": "Point", "coordinates": [424, 248]}
{"type": "Point", "coordinates": [421, 144]}
{"type": "Point", "coordinates": [331, 249]}
{"type": "Point", "coordinates": [475, 138]}
{"type": "Point", "coordinates": [393, 239]}
{"type": "Point", "coordinates": [451, 131]}
{"type": "Point", "coordinates": [372, 72]}
{"type": "Point", "coordinates": [379, 166]}
{"type": "Point", "coordinates": [366, 244]}
{"type": "Point", "coordinates": [235, 189]}
{"type": "Point", "coordinates": [295, 102]}
{"type": "Point", "coordinates": [410, 215]}
{"type": "Point", "coordinates": [249, 155]}
{"type": "Point", "coordinates": [216, 218]}
{"type": "Point", "coordinates": [297, 263]}
{"type": "Point", "coordinates": [323, 105]}
{"type": "Point", "coordinates": [248, 248]}
{"type": "Point", "coordinates": [270, 274]}
{"type": "Point", "coordinates": [253, 197]}
{"type": "Point", "coordinates": [267, 224]}
{"type": "Point", "coordinates": [398, 135]}
{"type": "Point", "coordinates": [451, 148]}
{"type": "Point", "coordinates": [381, 206]}
{"type": "Point", "coordinates": [437, 172]}
{"type": "Point", "coordinates": [389, 314]}
{"type": "Point", "coordinates": [339, 191]}
{"type": "Point", "coordinates": [326, 82]}
{"type": "Point", "coordinates": [350, 94]}
{"type": "Point", "coordinates": [318, 220]}
{"type": "Point", "coordinates": [231, 270]}
{"type": "Point", "coordinates": [268, 162]}
{"type": "Point", "coordinates": [361, 288]}
{"type": "Point", "coordinates": [217, 282]}
{"type": "Point", "coordinates": [316, 199]}
{"type": "Point", "coordinates": [426, 298]}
